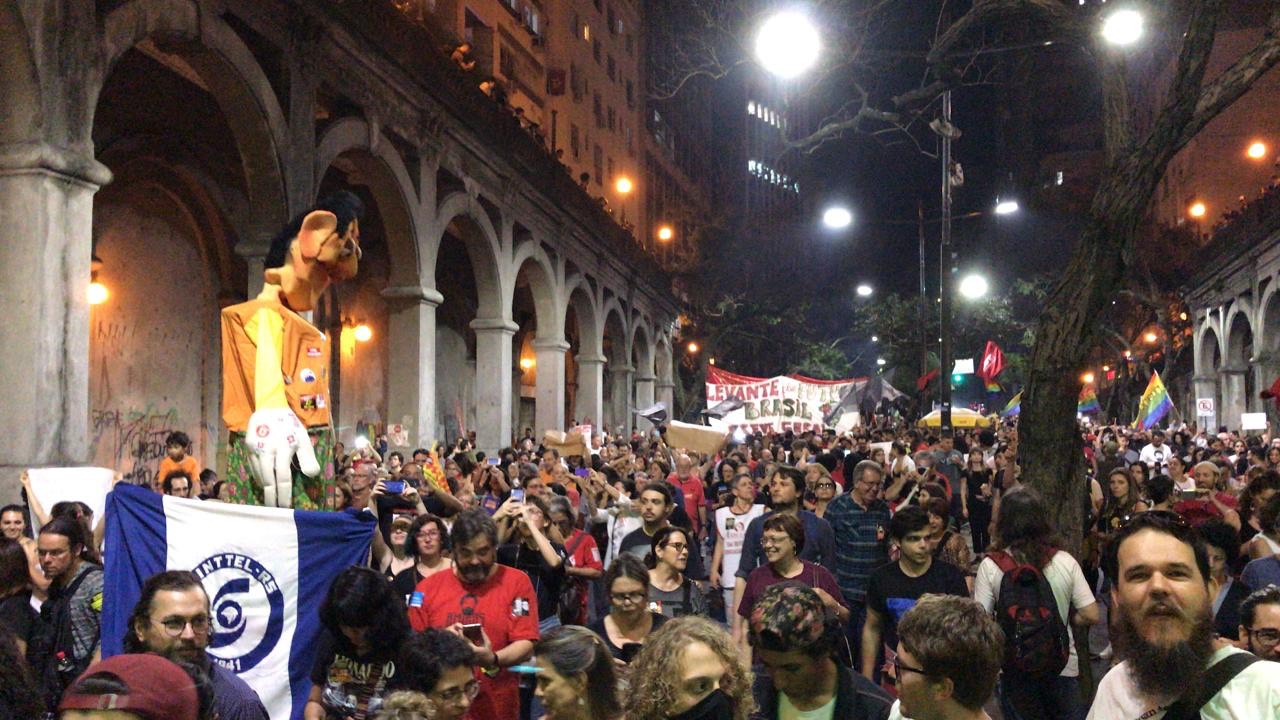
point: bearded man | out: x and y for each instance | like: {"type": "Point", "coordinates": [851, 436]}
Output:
{"type": "Point", "coordinates": [1171, 665]}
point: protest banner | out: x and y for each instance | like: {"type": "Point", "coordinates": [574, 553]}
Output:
{"type": "Point", "coordinates": [785, 402]}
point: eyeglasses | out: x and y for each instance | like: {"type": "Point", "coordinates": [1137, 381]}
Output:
{"type": "Point", "coordinates": [1266, 636]}
{"type": "Point", "coordinates": [630, 597]}
{"type": "Point", "coordinates": [768, 541]}
{"type": "Point", "coordinates": [678, 547]}
{"type": "Point", "coordinates": [432, 534]}
{"type": "Point", "coordinates": [824, 486]}
{"type": "Point", "coordinates": [453, 695]}
{"type": "Point", "coordinates": [898, 667]}
{"type": "Point", "coordinates": [173, 627]}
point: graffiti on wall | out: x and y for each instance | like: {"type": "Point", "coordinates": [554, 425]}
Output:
{"type": "Point", "coordinates": [132, 440]}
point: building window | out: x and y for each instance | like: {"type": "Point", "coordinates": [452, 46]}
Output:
{"type": "Point", "coordinates": [613, 21]}
{"type": "Point", "coordinates": [751, 107]}
{"type": "Point", "coordinates": [586, 32]}
{"type": "Point", "coordinates": [613, 119]}
{"type": "Point", "coordinates": [1059, 178]}
{"type": "Point", "coordinates": [595, 50]}
{"type": "Point", "coordinates": [574, 139]}
{"type": "Point", "coordinates": [612, 69]}
{"type": "Point", "coordinates": [610, 169]}
{"type": "Point", "coordinates": [598, 159]}
{"type": "Point", "coordinates": [598, 110]}
{"type": "Point", "coordinates": [631, 96]}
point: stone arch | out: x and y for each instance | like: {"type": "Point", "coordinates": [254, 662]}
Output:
{"type": "Point", "coordinates": [381, 168]}
{"type": "Point", "coordinates": [235, 80]}
{"type": "Point", "coordinates": [1269, 320]}
{"type": "Point", "coordinates": [1210, 351]}
{"type": "Point", "coordinates": [577, 294]}
{"type": "Point", "coordinates": [662, 360]}
{"type": "Point", "coordinates": [615, 323]}
{"type": "Point", "coordinates": [1239, 338]}
{"type": "Point", "coordinates": [463, 213]}
{"type": "Point", "coordinates": [642, 347]}
{"type": "Point", "coordinates": [532, 258]}
{"type": "Point", "coordinates": [19, 81]}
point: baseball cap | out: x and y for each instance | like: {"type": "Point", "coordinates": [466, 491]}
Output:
{"type": "Point", "coordinates": [155, 689]}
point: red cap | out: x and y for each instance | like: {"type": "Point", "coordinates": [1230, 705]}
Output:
{"type": "Point", "coordinates": [157, 689]}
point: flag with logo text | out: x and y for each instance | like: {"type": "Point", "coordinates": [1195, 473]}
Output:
{"type": "Point", "coordinates": [265, 570]}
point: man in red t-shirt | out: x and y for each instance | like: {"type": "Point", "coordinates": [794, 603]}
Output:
{"type": "Point", "coordinates": [478, 591]}
{"type": "Point", "coordinates": [695, 498]}
{"type": "Point", "coordinates": [1209, 503]}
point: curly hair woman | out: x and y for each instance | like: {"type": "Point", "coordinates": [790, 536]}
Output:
{"type": "Point", "coordinates": [690, 668]}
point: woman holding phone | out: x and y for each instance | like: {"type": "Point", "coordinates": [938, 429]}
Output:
{"type": "Point", "coordinates": [629, 620]}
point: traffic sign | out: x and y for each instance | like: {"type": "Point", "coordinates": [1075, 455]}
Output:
{"type": "Point", "coordinates": [1204, 407]}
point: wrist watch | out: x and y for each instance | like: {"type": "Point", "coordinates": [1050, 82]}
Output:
{"type": "Point", "coordinates": [494, 669]}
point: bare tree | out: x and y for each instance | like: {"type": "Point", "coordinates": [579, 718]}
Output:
{"type": "Point", "coordinates": [1136, 159]}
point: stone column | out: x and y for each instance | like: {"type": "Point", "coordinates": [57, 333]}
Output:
{"type": "Point", "coordinates": [644, 384]}
{"type": "Point", "coordinates": [46, 208]}
{"type": "Point", "coordinates": [667, 395]}
{"type": "Point", "coordinates": [1206, 386]}
{"type": "Point", "coordinates": [549, 396]}
{"type": "Point", "coordinates": [590, 399]}
{"type": "Point", "coordinates": [411, 375]}
{"type": "Point", "coordinates": [620, 377]}
{"type": "Point", "coordinates": [1233, 399]}
{"type": "Point", "coordinates": [493, 382]}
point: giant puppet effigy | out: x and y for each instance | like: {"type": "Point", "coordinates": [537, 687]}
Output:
{"type": "Point", "coordinates": [275, 363]}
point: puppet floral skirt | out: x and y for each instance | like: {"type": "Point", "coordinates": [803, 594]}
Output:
{"type": "Point", "coordinates": [308, 493]}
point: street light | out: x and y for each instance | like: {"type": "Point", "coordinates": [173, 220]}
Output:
{"type": "Point", "coordinates": [1007, 207]}
{"type": "Point", "coordinates": [875, 338]}
{"type": "Point", "coordinates": [623, 185]}
{"type": "Point", "coordinates": [692, 347]}
{"type": "Point", "coordinates": [787, 45]}
{"type": "Point", "coordinates": [363, 333]}
{"type": "Point", "coordinates": [864, 290]}
{"type": "Point", "coordinates": [973, 287]}
{"type": "Point", "coordinates": [1087, 378]}
{"type": "Point", "coordinates": [1257, 150]}
{"type": "Point", "coordinates": [1123, 27]}
{"type": "Point", "coordinates": [837, 218]}
{"type": "Point", "coordinates": [880, 362]}
{"type": "Point", "coordinates": [1197, 210]}
{"type": "Point", "coordinates": [665, 233]}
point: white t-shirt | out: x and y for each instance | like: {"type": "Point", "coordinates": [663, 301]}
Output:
{"type": "Point", "coordinates": [733, 528]}
{"type": "Point", "coordinates": [1254, 693]}
{"type": "Point", "coordinates": [787, 711]}
{"type": "Point", "coordinates": [1066, 579]}
{"type": "Point", "coordinates": [1156, 458]}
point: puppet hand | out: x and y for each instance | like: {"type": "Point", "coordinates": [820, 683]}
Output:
{"type": "Point", "coordinates": [275, 437]}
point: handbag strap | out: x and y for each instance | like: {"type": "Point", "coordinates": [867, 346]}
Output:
{"type": "Point", "coordinates": [1215, 679]}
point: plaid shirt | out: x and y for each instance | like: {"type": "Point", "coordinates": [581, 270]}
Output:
{"type": "Point", "coordinates": [860, 542]}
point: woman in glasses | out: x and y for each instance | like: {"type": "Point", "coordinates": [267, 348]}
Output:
{"type": "Point", "coordinates": [629, 620]}
{"type": "Point", "coordinates": [822, 486]}
{"type": "Point", "coordinates": [427, 543]}
{"type": "Point", "coordinates": [670, 592]}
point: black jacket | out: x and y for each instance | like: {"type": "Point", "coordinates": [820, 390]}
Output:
{"type": "Point", "coordinates": [857, 698]}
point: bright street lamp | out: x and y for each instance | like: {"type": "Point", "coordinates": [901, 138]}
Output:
{"type": "Point", "coordinates": [837, 218]}
{"type": "Point", "coordinates": [1007, 207]}
{"type": "Point", "coordinates": [624, 185]}
{"type": "Point", "coordinates": [880, 362]}
{"type": "Point", "coordinates": [1257, 150]}
{"type": "Point", "coordinates": [973, 287]}
{"type": "Point", "coordinates": [1123, 27]}
{"type": "Point", "coordinates": [875, 338]}
{"type": "Point", "coordinates": [665, 233]}
{"type": "Point", "coordinates": [787, 45]}
{"type": "Point", "coordinates": [864, 290]}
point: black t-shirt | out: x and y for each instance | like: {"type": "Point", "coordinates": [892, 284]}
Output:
{"type": "Point", "coordinates": [598, 628]}
{"type": "Point", "coordinates": [546, 580]}
{"type": "Point", "coordinates": [892, 592]}
{"type": "Point", "coordinates": [405, 581]}
{"type": "Point", "coordinates": [352, 686]}
{"type": "Point", "coordinates": [638, 543]}
{"type": "Point", "coordinates": [17, 616]}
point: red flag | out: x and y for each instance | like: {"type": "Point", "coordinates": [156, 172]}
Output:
{"type": "Point", "coordinates": [1272, 392]}
{"type": "Point", "coordinates": [992, 362]}
{"type": "Point", "coordinates": [922, 382]}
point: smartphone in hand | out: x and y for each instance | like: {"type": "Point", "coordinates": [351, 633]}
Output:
{"type": "Point", "coordinates": [471, 631]}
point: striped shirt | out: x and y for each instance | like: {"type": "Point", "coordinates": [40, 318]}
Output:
{"type": "Point", "coordinates": [860, 542]}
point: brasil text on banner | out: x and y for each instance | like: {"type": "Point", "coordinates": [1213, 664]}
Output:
{"type": "Point", "coordinates": [265, 570]}
{"type": "Point", "coordinates": [785, 402]}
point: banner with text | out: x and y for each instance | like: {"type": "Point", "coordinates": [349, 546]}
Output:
{"type": "Point", "coordinates": [779, 404]}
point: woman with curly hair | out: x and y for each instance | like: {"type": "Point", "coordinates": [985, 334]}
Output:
{"type": "Point", "coordinates": [690, 669]}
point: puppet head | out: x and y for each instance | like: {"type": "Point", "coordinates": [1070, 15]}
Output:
{"type": "Point", "coordinates": [318, 247]}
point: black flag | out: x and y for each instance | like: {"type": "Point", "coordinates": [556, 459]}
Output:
{"type": "Point", "coordinates": [719, 410]}
{"type": "Point", "coordinates": [656, 413]}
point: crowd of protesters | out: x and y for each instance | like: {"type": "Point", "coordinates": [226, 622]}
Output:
{"type": "Point", "coordinates": [884, 572]}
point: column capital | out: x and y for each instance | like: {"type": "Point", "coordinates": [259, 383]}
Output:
{"type": "Point", "coordinates": [28, 157]}
{"type": "Point", "coordinates": [622, 369]}
{"type": "Point", "coordinates": [666, 386]}
{"type": "Point", "coordinates": [1205, 378]}
{"type": "Point", "coordinates": [494, 325]}
{"type": "Point", "coordinates": [591, 359]}
{"type": "Point", "coordinates": [1233, 370]}
{"type": "Point", "coordinates": [646, 377]}
{"type": "Point", "coordinates": [424, 295]}
{"type": "Point", "coordinates": [550, 345]}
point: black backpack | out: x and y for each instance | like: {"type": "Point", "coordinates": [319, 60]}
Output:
{"type": "Point", "coordinates": [51, 650]}
{"type": "Point", "coordinates": [1036, 643]}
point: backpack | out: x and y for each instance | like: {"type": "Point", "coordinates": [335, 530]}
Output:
{"type": "Point", "coordinates": [51, 649]}
{"type": "Point", "coordinates": [1036, 642]}
{"type": "Point", "coordinates": [569, 608]}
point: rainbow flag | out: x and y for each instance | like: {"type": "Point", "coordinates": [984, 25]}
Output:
{"type": "Point", "coordinates": [1088, 402]}
{"type": "Point", "coordinates": [1155, 404]}
{"type": "Point", "coordinates": [1014, 407]}
{"type": "Point", "coordinates": [993, 386]}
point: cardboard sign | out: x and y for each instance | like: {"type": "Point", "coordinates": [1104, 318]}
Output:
{"type": "Point", "coordinates": [567, 444]}
{"type": "Point", "coordinates": [698, 438]}
{"type": "Point", "coordinates": [89, 485]}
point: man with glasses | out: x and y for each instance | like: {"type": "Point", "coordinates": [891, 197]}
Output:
{"type": "Point", "coordinates": [1260, 623]}
{"type": "Point", "coordinates": [172, 619]}
{"type": "Point", "coordinates": [860, 519]}
{"type": "Point", "coordinates": [66, 639]}
{"type": "Point", "coordinates": [948, 658]}
{"type": "Point", "coordinates": [437, 663]}
{"type": "Point", "coordinates": [480, 592]}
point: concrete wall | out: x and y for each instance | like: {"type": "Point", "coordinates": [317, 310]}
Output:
{"type": "Point", "coordinates": [154, 354]}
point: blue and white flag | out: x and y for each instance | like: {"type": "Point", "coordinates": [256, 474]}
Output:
{"type": "Point", "coordinates": [266, 571]}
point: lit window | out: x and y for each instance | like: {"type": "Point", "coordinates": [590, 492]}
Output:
{"type": "Point", "coordinates": [751, 107]}
{"type": "Point", "coordinates": [1058, 179]}
{"type": "Point", "coordinates": [751, 166]}
{"type": "Point", "coordinates": [586, 32]}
